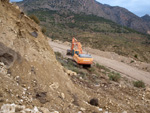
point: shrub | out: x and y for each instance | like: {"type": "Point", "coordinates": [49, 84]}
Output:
{"type": "Point", "coordinates": [139, 84]}
{"type": "Point", "coordinates": [114, 76]}
{"type": "Point", "coordinates": [92, 69]}
{"type": "Point", "coordinates": [131, 61]}
{"type": "Point", "coordinates": [94, 102]}
{"type": "Point", "coordinates": [98, 66]}
{"type": "Point", "coordinates": [43, 30]}
{"type": "Point", "coordinates": [135, 56]}
{"type": "Point", "coordinates": [102, 67]}
{"type": "Point", "coordinates": [33, 17]}
{"type": "Point", "coordinates": [58, 54]}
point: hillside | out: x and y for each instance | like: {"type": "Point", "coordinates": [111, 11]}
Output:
{"type": "Point", "coordinates": [117, 14]}
{"type": "Point", "coordinates": [95, 32]}
{"type": "Point", "coordinates": [32, 80]}
{"type": "Point", "coordinates": [29, 72]}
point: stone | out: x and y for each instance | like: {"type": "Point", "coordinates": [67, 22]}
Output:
{"type": "Point", "coordinates": [100, 109]}
{"type": "Point", "coordinates": [148, 89]}
{"type": "Point", "coordinates": [79, 111]}
{"type": "Point", "coordinates": [82, 109]}
{"type": "Point", "coordinates": [2, 64]}
{"type": "Point", "coordinates": [44, 110]}
{"type": "Point", "coordinates": [124, 112]}
{"type": "Point", "coordinates": [94, 102]}
{"type": "Point", "coordinates": [106, 112]}
{"type": "Point", "coordinates": [63, 95]}
{"type": "Point", "coordinates": [69, 72]}
{"type": "Point", "coordinates": [54, 112]}
{"type": "Point", "coordinates": [34, 34]}
{"type": "Point", "coordinates": [17, 7]}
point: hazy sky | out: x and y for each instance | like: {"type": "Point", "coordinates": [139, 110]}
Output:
{"type": "Point", "coordinates": [138, 7]}
{"type": "Point", "coordinates": [15, 0]}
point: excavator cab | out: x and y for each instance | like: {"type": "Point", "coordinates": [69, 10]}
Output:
{"type": "Point", "coordinates": [75, 52]}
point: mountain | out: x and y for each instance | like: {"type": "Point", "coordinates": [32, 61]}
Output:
{"type": "Point", "coordinates": [146, 18]}
{"type": "Point", "coordinates": [117, 14]}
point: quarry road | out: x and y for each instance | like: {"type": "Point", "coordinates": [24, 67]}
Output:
{"type": "Point", "coordinates": [122, 68]}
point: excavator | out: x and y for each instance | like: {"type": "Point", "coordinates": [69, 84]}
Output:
{"type": "Point", "coordinates": [77, 54]}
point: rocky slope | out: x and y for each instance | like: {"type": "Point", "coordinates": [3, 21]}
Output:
{"type": "Point", "coordinates": [117, 14]}
{"type": "Point", "coordinates": [29, 72]}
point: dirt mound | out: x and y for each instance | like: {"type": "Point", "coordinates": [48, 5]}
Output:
{"type": "Point", "coordinates": [33, 76]}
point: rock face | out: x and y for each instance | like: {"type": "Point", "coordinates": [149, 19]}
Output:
{"type": "Point", "coordinates": [117, 14]}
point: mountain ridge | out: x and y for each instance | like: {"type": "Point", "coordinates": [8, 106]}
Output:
{"type": "Point", "coordinates": [115, 13]}
{"type": "Point", "coordinates": [146, 18]}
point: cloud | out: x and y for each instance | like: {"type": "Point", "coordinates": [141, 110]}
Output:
{"type": "Point", "coordinates": [138, 7]}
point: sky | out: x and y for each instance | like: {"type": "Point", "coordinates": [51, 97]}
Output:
{"type": "Point", "coordinates": [138, 7]}
{"type": "Point", "coordinates": [15, 0]}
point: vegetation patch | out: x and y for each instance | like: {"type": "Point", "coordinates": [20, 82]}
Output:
{"type": "Point", "coordinates": [139, 84]}
{"type": "Point", "coordinates": [43, 30]}
{"type": "Point", "coordinates": [114, 76]}
{"type": "Point", "coordinates": [33, 17]}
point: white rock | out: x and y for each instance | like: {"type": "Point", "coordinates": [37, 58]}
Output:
{"type": "Point", "coordinates": [21, 100]}
{"type": "Point", "coordinates": [63, 95]}
{"type": "Point", "coordinates": [36, 109]}
{"type": "Point", "coordinates": [106, 112]}
{"type": "Point", "coordinates": [124, 112]}
{"type": "Point", "coordinates": [24, 89]}
{"type": "Point", "coordinates": [2, 64]}
{"type": "Point", "coordinates": [82, 109]}
{"type": "Point", "coordinates": [54, 112]}
{"type": "Point", "coordinates": [44, 110]}
{"type": "Point", "coordinates": [79, 111]}
{"type": "Point", "coordinates": [100, 109]}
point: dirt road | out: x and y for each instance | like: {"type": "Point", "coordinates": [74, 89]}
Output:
{"type": "Point", "coordinates": [120, 67]}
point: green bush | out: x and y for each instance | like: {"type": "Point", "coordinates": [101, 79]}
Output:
{"type": "Point", "coordinates": [135, 56]}
{"type": "Point", "coordinates": [131, 61]}
{"type": "Point", "coordinates": [43, 30]}
{"type": "Point", "coordinates": [114, 76]}
{"type": "Point", "coordinates": [92, 69]}
{"type": "Point", "coordinates": [139, 84]}
{"type": "Point", "coordinates": [58, 54]}
{"type": "Point", "coordinates": [33, 17]}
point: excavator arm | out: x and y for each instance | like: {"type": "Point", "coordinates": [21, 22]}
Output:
{"type": "Point", "coordinates": [76, 45]}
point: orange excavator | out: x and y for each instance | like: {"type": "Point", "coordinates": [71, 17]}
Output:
{"type": "Point", "coordinates": [78, 56]}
